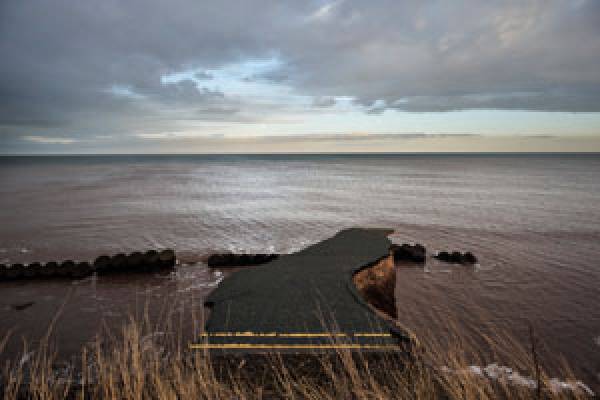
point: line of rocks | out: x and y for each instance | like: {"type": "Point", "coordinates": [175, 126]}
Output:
{"type": "Point", "coordinates": [149, 261]}
{"type": "Point", "coordinates": [417, 254]}
{"type": "Point", "coordinates": [407, 252]}
{"type": "Point", "coordinates": [456, 257]}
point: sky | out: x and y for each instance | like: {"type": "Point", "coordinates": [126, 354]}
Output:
{"type": "Point", "coordinates": [239, 76]}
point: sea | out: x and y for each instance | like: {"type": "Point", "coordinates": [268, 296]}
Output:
{"type": "Point", "coordinates": [532, 220]}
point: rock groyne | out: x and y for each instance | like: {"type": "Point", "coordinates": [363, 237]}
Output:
{"type": "Point", "coordinates": [135, 262]}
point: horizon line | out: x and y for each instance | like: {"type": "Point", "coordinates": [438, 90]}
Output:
{"type": "Point", "coordinates": [304, 153]}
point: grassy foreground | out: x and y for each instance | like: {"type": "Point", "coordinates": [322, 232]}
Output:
{"type": "Point", "coordinates": [145, 359]}
{"type": "Point", "coordinates": [137, 363]}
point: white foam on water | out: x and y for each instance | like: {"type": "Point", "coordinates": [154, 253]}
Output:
{"type": "Point", "coordinates": [506, 374]}
{"type": "Point", "coordinates": [198, 278]}
{"type": "Point", "coordinates": [488, 267]}
{"type": "Point", "coordinates": [196, 286]}
{"type": "Point", "coordinates": [557, 386]}
{"type": "Point", "coordinates": [300, 245]}
{"type": "Point", "coordinates": [476, 370]}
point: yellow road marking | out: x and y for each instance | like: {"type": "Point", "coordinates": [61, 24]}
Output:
{"type": "Point", "coordinates": [291, 335]}
{"type": "Point", "coordinates": [372, 335]}
{"type": "Point", "coordinates": [292, 346]}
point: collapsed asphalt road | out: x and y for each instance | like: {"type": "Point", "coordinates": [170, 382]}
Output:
{"type": "Point", "coordinates": [303, 301]}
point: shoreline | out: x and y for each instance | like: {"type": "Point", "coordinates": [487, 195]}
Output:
{"type": "Point", "coordinates": [324, 257]}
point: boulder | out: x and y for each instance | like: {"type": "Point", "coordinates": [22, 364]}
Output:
{"type": "Point", "coordinates": [455, 257]}
{"type": "Point", "coordinates": [15, 271]}
{"type": "Point", "coordinates": [166, 258]}
{"type": "Point", "coordinates": [32, 270]}
{"type": "Point", "coordinates": [469, 258]}
{"type": "Point", "coordinates": [118, 263]}
{"type": "Point", "coordinates": [135, 261]}
{"type": "Point", "coordinates": [38, 268]}
{"type": "Point", "coordinates": [406, 252]}
{"type": "Point", "coordinates": [81, 270]}
{"type": "Point", "coordinates": [66, 268]}
{"type": "Point", "coordinates": [102, 265]}
{"type": "Point", "coordinates": [151, 260]}
{"type": "Point", "coordinates": [50, 269]}
{"type": "Point", "coordinates": [443, 256]}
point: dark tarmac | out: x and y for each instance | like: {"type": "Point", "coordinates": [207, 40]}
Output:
{"type": "Point", "coordinates": [303, 302]}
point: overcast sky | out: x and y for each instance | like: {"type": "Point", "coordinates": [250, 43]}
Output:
{"type": "Point", "coordinates": [190, 76]}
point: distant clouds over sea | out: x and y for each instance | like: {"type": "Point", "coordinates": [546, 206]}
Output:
{"type": "Point", "coordinates": [106, 76]}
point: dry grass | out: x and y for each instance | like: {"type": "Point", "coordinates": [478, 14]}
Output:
{"type": "Point", "coordinates": [145, 360]}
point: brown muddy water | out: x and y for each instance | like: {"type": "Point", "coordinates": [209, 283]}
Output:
{"type": "Point", "coordinates": [533, 221]}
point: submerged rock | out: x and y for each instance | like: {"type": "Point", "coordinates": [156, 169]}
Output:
{"type": "Point", "coordinates": [406, 252]}
{"type": "Point", "coordinates": [22, 306]}
{"type": "Point", "coordinates": [239, 260]}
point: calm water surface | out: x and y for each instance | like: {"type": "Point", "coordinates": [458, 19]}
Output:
{"type": "Point", "coordinates": [533, 221]}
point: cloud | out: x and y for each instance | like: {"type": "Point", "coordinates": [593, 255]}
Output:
{"type": "Point", "coordinates": [324, 12]}
{"type": "Point", "coordinates": [324, 101]}
{"type": "Point", "coordinates": [49, 140]}
{"type": "Point", "coordinates": [432, 58]}
{"type": "Point", "coordinates": [203, 76]}
{"type": "Point", "coordinates": [358, 137]}
{"type": "Point", "coordinates": [99, 69]}
{"type": "Point", "coordinates": [173, 135]}
{"type": "Point", "coordinates": [551, 100]}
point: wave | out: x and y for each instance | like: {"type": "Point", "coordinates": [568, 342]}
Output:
{"type": "Point", "coordinates": [509, 376]}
